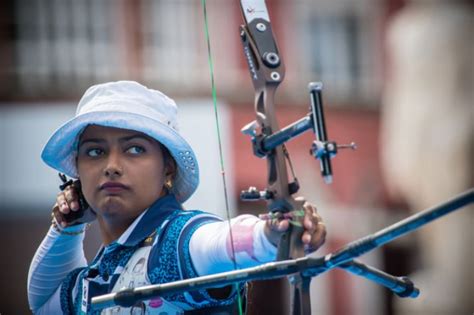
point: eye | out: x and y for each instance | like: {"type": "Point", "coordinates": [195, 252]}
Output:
{"type": "Point", "coordinates": [135, 150]}
{"type": "Point", "coordinates": [94, 152]}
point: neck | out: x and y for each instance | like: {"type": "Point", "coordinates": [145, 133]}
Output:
{"type": "Point", "coordinates": [112, 229]}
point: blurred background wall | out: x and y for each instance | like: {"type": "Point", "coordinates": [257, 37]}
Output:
{"type": "Point", "coordinates": [398, 80]}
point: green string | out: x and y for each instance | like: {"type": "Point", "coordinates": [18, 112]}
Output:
{"type": "Point", "coordinates": [221, 157]}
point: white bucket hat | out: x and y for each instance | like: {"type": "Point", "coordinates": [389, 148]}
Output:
{"type": "Point", "coordinates": [126, 105]}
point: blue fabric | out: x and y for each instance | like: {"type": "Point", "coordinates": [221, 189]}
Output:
{"type": "Point", "coordinates": [66, 291]}
{"type": "Point", "coordinates": [169, 258]}
{"type": "Point", "coordinates": [158, 213]}
{"type": "Point", "coordinates": [201, 296]}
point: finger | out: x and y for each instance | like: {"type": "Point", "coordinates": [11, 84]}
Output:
{"type": "Point", "coordinates": [309, 207]}
{"type": "Point", "coordinates": [310, 225]}
{"type": "Point", "coordinates": [306, 238]}
{"type": "Point", "coordinates": [312, 232]}
{"type": "Point", "coordinates": [309, 222]}
{"type": "Point", "coordinates": [278, 225]}
{"type": "Point", "coordinates": [319, 237]}
{"type": "Point", "coordinates": [311, 218]}
{"type": "Point", "coordinates": [283, 225]}
{"type": "Point", "coordinates": [58, 216]}
{"type": "Point", "coordinates": [62, 203]}
{"type": "Point", "coordinates": [72, 198]}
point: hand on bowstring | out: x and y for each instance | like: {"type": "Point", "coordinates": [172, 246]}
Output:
{"type": "Point", "coordinates": [71, 208]}
{"type": "Point", "coordinates": [314, 233]}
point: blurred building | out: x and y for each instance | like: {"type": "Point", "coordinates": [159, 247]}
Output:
{"type": "Point", "coordinates": [52, 50]}
{"type": "Point", "coordinates": [428, 138]}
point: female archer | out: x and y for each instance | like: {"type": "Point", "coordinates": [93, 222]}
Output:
{"type": "Point", "coordinates": [135, 171]}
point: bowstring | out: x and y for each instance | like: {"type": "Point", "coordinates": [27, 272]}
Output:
{"type": "Point", "coordinates": [221, 156]}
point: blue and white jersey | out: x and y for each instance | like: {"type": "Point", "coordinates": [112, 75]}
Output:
{"type": "Point", "coordinates": [153, 250]}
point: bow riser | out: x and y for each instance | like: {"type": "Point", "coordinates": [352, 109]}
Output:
{"type": "Point", "coordinates": [267, 72]}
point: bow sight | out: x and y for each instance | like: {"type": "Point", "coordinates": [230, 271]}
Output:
{"type": "Point", "coordinates": [321, 148]}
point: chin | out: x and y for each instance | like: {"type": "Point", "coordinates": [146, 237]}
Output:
{"type": "Point", "coordinates": [112, 206]}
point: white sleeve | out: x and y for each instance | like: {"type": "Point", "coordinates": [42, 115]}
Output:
{"type": "Point", "coordinates": [57, 256]}
{"type": "Point", "coordinates": [211, 245]}
{"type": "Point", "coordinates": [52, 306]}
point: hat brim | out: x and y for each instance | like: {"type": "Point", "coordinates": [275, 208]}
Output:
{"type": "Point", "coordinates": [60, 151]}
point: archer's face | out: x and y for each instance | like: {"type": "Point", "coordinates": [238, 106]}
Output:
{"type": "Point", "coordinates": [122, 171]}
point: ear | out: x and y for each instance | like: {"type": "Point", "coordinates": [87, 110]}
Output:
{"type": "Point", "coordinates": [170, 166]}
{"type": "Point", "coordinates": [170, 169]}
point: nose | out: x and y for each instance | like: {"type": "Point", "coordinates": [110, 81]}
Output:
{"type": "Point", "coordinates": [113, 166]}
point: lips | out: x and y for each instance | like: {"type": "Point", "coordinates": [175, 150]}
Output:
{"type": "Point", "coordinates": [113, 187]}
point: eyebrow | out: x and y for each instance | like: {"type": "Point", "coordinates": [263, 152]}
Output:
{"type": "Point", "coordinates": [122, 139]}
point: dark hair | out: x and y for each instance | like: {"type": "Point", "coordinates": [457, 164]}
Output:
{"type": "Point", "coordinates": [169, 161]}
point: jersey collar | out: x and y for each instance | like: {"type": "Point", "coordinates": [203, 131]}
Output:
{"type": "Point", "coordinates": [149, 220]}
